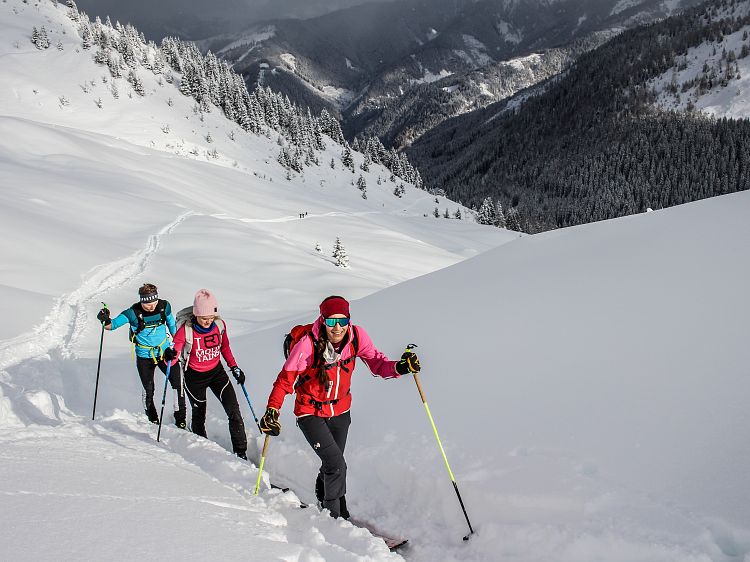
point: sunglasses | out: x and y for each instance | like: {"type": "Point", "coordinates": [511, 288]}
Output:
{"type": "Point", "coordinates": [331, 322]}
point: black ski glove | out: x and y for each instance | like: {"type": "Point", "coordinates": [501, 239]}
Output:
{"type": "Point", "coordinates": [269, 423]}
{"type": "Point", "coordinates": [238, 375]}
{"type": "Point", "coordinates": [409, 363]}
{"type": "Point", "coordinates": [170, 354]}
{"type": "Point", "coordinates": [103, 316]}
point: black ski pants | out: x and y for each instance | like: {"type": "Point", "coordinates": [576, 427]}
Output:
{"type": "Point", "coordinates": [146, 369]}
{"type": "Point", "coordinates": [196, 383]}
{"type": "Point", "coordinates": [327, 437]}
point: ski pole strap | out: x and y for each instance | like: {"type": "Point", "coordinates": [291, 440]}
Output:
{"type": "Point", "coordinates": [262, 462]}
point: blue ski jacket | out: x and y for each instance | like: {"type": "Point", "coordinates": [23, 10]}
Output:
{"type": "Point", "coordinates": [151, 339]}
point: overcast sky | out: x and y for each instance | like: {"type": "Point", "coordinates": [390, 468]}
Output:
{"type": "Point", "coordinates": [196, 19]}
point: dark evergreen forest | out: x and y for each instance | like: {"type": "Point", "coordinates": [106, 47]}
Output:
{"type": "Point", "coordinates": [589, 145]}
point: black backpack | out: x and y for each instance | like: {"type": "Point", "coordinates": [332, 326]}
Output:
{"type": "Point", "coordinates": [161, 310]}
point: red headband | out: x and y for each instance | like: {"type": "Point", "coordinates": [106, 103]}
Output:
{"type": "Point", "coordinates": [334, 305]}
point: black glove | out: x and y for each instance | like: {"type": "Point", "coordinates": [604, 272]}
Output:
{"type": "Point", "coordinates": [170, 354]}
{"type": "Point", "coordinates": [103, 316]}
{"type": "Point", "coordinates": [409, 363]}
{"type": "Point", "coordinates": [238, 375]}
{"type": "Point", "coordinates": [269, 423]}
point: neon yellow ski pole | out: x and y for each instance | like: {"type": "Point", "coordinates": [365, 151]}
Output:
{"type": "Point", "coordinates": [437, 437]}
{"type": "Point", "coordinates": [262, 462]}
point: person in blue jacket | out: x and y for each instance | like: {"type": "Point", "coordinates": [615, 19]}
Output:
{"type": "Point", "coordinates": [149, 319]}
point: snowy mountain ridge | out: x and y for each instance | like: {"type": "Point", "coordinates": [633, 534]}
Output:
{"type": "Point", "coordinates": [386, 50]}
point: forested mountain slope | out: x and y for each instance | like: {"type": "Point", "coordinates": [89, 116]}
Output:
{"type": "Point", "coordinates": [591, 145]}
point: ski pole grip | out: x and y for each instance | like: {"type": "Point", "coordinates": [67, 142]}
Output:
{"type": "Point", "coordinates": [419, 388]}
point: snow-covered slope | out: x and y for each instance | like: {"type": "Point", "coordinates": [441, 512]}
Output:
{"type": "Point", "coordinates": [588, 384]}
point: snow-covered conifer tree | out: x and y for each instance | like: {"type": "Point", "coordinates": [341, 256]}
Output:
{"type": "Point", "coordinates": [346, 158]}
{"type": "Point", "coordinates": [339, 254]}
{"type": "Point", "coordinates": [136, 83]}
{"type": "Point", "coordinates": [362, 186]}
{"type": "Point", "coordinates": [486, 213]}
{"type": "Point", "coordinates": [500, 221]}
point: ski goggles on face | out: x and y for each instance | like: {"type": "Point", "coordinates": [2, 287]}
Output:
{"type": "Point", "coordinates": [331, 322]}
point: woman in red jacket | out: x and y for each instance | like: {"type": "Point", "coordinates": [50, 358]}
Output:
{"type": "Point", "coordinates": [200, 343]}
{"type": "Point", "coordinates": [319, 371]}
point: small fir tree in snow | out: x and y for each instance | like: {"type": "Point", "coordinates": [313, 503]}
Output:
{"type": "Point", "coordinates": [101, 57]}
{"type": "Point", "coordinates": [362, 186]}
{"type": "Point", "coordinates": [209, 138]}
{"type": "Point", "coordinates": [457, 214]}
{"type": "Point", "coordinates": [339, 254]}
{"type": "Point", "coordinates": [318, 248]}
{"type": "Point", "coordinates": [446, 214]}
{"type": "Point", "coordinates": [365, 166]}
{"type": "Point", "coordinates": [136, 83]}
{"type": "Point", "coordinates": [500, 221]}
{"type": "Point", "coordinates": [513, 219]}
{"type": "Point", "coordinates": [346, 158]}
{"type": "Point", "coordinates": [113, 62]}
{"type": "Point", "coordinates": [39, 38]}
{"type": "Point", "coordinates": [436, 213]}
{"type": "Point", "coordinates": [333, 164]}
{"type": "Point", "coordinates": [486, 213]}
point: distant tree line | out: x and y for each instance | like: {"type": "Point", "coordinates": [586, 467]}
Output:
{"type": "Point", "coordinates": [591, 145]}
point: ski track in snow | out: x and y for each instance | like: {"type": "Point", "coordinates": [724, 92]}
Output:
{"type": "Point", "coordinates": [288, 218]}
{"type": "Point", "coordinates": [63, 326]}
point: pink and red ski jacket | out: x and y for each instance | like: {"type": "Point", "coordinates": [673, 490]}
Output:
{"type": "Point", "coordinates": [206, 348]}
{"type": "Point", "coordinates": [298, 375]}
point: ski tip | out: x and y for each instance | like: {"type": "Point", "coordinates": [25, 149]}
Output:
{"type": "Point", "coordinates": [395, 544]}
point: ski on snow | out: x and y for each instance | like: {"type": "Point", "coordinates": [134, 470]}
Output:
{"type": "Point", "coordinates": [391, 542]}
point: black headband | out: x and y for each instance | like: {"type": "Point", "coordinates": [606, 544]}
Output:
{"type": "Point", "coordinates": [151, 297]}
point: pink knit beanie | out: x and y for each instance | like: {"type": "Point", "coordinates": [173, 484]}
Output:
{"type": "Point", "coordinates": [204, 303]}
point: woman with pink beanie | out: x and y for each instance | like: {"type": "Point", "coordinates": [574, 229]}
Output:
{"type": "Point", "coordinates": [199, 343]}
{"type": "Point", "coordinates": [319, 371]}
